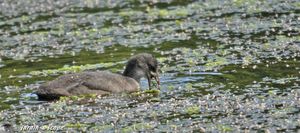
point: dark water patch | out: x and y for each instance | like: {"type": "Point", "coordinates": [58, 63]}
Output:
{"type": "Point", "coordinates": [76, 10]}
{"type": "Point", "coordinates": [161, 4]}
{"type": "Point", "coordinates": [238, 77]}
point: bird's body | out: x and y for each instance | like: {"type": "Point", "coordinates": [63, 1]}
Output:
{"type": "Point", "coordinates": [101, 82]}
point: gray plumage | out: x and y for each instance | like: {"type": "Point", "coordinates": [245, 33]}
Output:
{"type": "Point", "coordinates": [102, 82]}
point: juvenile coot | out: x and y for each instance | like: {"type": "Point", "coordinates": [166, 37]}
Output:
{"type": "Point", "coordinates": [103, 82]}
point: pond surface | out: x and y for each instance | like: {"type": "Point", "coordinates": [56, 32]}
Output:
{"type": "Point", "coordinates": [226, 66]}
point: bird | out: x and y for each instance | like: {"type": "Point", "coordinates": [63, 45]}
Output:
{"type": "Point", "coordinates": [143, 65]}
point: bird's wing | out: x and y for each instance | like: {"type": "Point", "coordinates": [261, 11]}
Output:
{"type": "Point", "coordinates": [105, 81]}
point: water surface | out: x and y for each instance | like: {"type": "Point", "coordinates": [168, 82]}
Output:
{"type": "Point", "coordinates": [226, 66]}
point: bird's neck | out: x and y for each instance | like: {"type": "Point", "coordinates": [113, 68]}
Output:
{"type": "Point", "coordinates": [133, 73]}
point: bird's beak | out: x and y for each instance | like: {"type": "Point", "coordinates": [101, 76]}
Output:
{"type": "Point", "coordinates": [155, 75]}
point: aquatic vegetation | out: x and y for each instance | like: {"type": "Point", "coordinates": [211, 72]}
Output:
{"type": "Point", "coordinates": [75, 125]}
{"type": "Point", "coordinates": [224, 128]}
{"type": "Point", "coordinates": [226, 66]}
{"type": "Point", "coordinates": [148, 94]}
{"type": "Point", "coordinates": [192, 110]}
{"type": "Point", "coordinates": [137, 127]}
{"type": "Point", "coordinates": [102, 128]}
{"type": "Point", "coordinates": [77, 98]}
{"type": "Point", "coordinates": [72, 69]}
{"type": "Point", "coordinates": [152, 91]}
